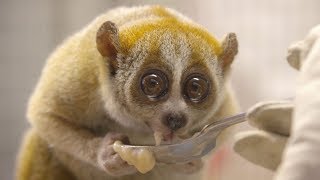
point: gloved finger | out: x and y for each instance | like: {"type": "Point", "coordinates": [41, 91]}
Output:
{"type": "Point", "coordinates": [261, 148]}
{"type": "Point", "coordinates": [298, 51]}
{"type": "Point", "coordinates": [293, 55]}
{"type": "Point", "coordinates": [272, 116]}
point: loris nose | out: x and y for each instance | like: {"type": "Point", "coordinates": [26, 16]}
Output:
{"type": "Point", "coordinates": [174, 121]}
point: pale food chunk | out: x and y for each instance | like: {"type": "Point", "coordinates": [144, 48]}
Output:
{"type": "Point", "coordinates": [142, 159]}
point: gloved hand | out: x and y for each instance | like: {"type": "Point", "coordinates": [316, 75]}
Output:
{"type": "Point", "coordinates": [264, 146]}
{"type": "Point", "coordinates": [300, 159]}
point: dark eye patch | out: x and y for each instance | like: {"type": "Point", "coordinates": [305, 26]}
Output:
{"type": "Point", "coordinates": [196, 88]}
{"type": "Point", "coordinates": [154, 84]}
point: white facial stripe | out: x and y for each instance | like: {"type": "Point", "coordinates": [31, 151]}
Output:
{"type": "Point", "coordinates": [175, 51]}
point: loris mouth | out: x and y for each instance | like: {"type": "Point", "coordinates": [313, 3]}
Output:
{"type": "Point", "coordinates": [172, 137]}
{"type": "Point", "coordinates": [169, 137]}
{"type": "Point", "coordinates": [164, 135]}
{"type": "Point", "coordinates": [164, 138]}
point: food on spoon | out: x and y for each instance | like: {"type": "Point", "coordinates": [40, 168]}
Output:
{"type": "Point", "coordinates": [157, 138]}
{"type": "Point", "coordinates": [141, 158]}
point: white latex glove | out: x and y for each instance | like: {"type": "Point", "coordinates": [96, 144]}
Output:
{"type": "Point", "coordinates": [301, 160]}
{"type": "Point", "coordinates": [264, 146]}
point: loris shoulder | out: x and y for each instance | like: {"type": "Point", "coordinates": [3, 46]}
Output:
{"type": "Point", "coordinates": [130, 74]}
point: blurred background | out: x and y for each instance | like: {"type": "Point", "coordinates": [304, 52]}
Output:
{"type": "Point", "coordinates": [30, 30]}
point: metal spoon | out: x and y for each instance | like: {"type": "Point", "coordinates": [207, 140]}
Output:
{"type": "Point", "coordinates": [192, 148]}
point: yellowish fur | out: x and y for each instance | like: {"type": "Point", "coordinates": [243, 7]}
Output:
{"type": "Point", "coordinates": [67, 110]}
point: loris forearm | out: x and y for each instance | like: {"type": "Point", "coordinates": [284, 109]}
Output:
{"type": "Point", "coordinates": [67, 137]}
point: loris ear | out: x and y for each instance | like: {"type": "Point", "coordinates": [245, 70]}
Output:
{"type": "Point", "coordinates": [108, 43]}
{"type": "Point", "coordinates": [230, 50]}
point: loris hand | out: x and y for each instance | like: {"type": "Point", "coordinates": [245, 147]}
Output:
{"type": "Point", "coordinates": [264, 146]}
{"type": "Point", "coordinates": [109, 160]}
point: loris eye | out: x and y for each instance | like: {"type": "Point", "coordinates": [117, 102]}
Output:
{"type": "Point", "coordinates": [154, 84]}
{"type": "Point", "coordinates": [196, 88]}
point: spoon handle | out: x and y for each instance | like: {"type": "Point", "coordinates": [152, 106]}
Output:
{"type": "Point", "coordinates": [226, 122]}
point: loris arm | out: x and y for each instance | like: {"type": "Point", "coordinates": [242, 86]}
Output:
{"type": "Point", "coordinates": [66, 90]}
{"type": "Point", "coordinates": [67, 99]}
{"type": "Point", "coordinates": [61, 125]}
{"type": "Point", "coordinates": [59, 105]}
{"type": "Point", "coordinates": [67, 137]}
{"type": "Point", "coordinates": [60, 132]}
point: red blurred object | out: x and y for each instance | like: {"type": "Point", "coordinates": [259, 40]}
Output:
{"type": "Point", "coordinates": [216, 163]}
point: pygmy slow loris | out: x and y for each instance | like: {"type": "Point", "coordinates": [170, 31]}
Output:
{"type": "Point", "coordinates": [132, 72]}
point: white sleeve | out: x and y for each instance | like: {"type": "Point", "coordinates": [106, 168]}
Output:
{"type": "Point", "coordinates": [301, 159]}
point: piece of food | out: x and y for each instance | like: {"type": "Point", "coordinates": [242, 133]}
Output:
{"type": "Point", "coordinates": [142, 159]}
{"type": "Point", "coordinates": [157, 138]}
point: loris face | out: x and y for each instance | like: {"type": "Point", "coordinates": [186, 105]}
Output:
{"type": "Point", "coordinates": [169, 81]}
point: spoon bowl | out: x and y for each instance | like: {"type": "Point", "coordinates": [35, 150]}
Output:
{"type": "Point", "coordinates": [194, 147]}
